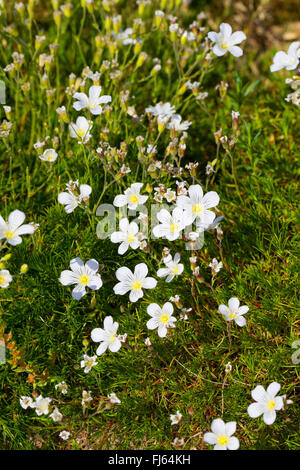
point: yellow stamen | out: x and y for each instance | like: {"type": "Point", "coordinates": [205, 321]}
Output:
{"type": "Point", "coordinates": [2, 281]}
{"type": "Point", "coordinates": [175, 269]}
{"type": "Point", "coordinates": [9, 234]}
{"type": "Point", "coordinates": [173, 227]}
{"type": "Point", "coordinates": [136, 285]}
{"type": "Point", "coordinates": [197, 208]}
{"type": "Point", "coordinates": [84, 279]}
{"type": "Point", "coordinates": [223, 440]}
{"type": "Point", "coordinates": [133, 198]}
{"type": "Point", "coordinates": [232, 315]}
{"type": "Point", "coordinates": [271, 404]}
{"type": "Point", "coordinates": [164, 318]}
{"type": "Point", "coordinates": [130, 238]}
{"type": "Point", "coordinates": [112, 338]}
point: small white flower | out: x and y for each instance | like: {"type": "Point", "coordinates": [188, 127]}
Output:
{"type": "Point", "coordinates": [127, 236]}
{"type": "Point", "coordinates": [148, 342]}
{"type": "Point", "coordinates": [162, 110]}
{"type": "Point", "coordinates": [170, 195]}
{"type": "Point", "coordinates": [131, 197]}
{"type": "Point", "coordinates": [49, 155]}
{"type": "Point", "coordinates": [107, 337]}
{"type": "Point", "coordinates": [83, 275]}
{"type": "Point", "coordinates": [222, 435]}
{"type": "Point", "coordinates": [113, 399]}
{"type": "Point", "coordinates": [134, 281]}
{"type": "Point", "coordinates": [177, 124]}
{"type": "Point", "coordinates": [234, 311]}
{"type": "Point", "coordinates": [215, 266]}
{"type": "Point", "coordinates": [5, 278]}
{"type": "Point", "coordinates": [266, 402]}
{"type": "Point", "coordinates": [196, 206]}
{"type": "Point", "coordinates": [161, 318]}
{"type": "Point", "coordinates": [86, 397]}
{"type": "Point", "coordinates": [92, 102]}
{"type": "Point", "coordinates": [81, 129]}
{"type": "Point", "coordinates": [225, 41]}
{"type": "Point", "coordinates": [56, 415]}
{"type": "Point", "coordinates": [174, 268]}
{"type": "Point", "coordinates": [64, 435]}
{"type": "Point", "coordinates": [296, 354]}
{"type": "Point", "coordinates": [62, 387]}
{"type": "Point", "coordinates": [71, 201]}
{"type": "Point", "coordinates": [171, 224]}
{"type": "Point", "coordinates": [42, 405]}
{"type": "Point", "coordinates": [289, 60]}
{"type": "Point", "coordinates": [27, 401]}
{"type": "Point", "coordinates": [88, 362]}
{"type": "Point", "coordinates": [175, 419]}
{"type": "Point", "coordinates": [13, 228]}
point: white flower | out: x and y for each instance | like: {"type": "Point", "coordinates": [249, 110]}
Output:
{"type": "Point", "coordinates": [171, 225]}
{"type": "Point", "coordinates": [221, 435]}
{"type": "Point", "coordinates": [177, 124]}
{"type": "Point", "coordinates": [131, 197]}
{"type": "Point", "coordinates": [113, 399]}
{"type": "Point", "coordinates": [127, 236]}
{"type": "Point", "coordinates": [196, 206]}
{"type": "Point", "coordinates": [175, 419]}
{"type": "Point", "coordinates": [88, 363]}
{"type": "Point", "coordinates": [174, 268]}
{"type": "Point", "coordinates": [27, 401]}
{"type": "Point", "coordinates": [13, 228]}
{"type": "Point", "coordinates": [225, 41]}
{"type": "Point", "coordinates": [92, 102]}
{"type": "Point", "coordinates": [49, 155]}
{"type": "Point", "coordinates": [5, 278]}
{"type": "Point", "coordinates": [133, 281]}
{"type": "Point", "coordinates": [56, 415]}
{"type": "Point", "coordinates": [215, 266]}
{"type": "Point", "coordinates": [42, 405]}
{"type": "Point", "coordinates": [296, 354]}
{"type": "Point", "coordinates": [86, 397]}
{"type": "Point", "coordinates": [62, 387]}
{"type": "Point", "coordinates": [71, 201]}
{"type": "Point", "coordinates": [83, 275]}
{"type": "Point", "coordinates": [107, 337]}
{"type": "Point", "coordinates": [64, 435]}
{"type": "Point", "coordinates": [170, 195]}
{"type": "Point", "coordinates": [148, 342]}
{"type": "Point", "coordinates": [289, 60]}
{"type": "Point", "coordinates": [161, 110]}
{"type": "Point", "coordinates": [234, 311]}
{"type": "Point", "coordinates": [81, 129]}
{"type": "Point", "coordinates": [266, 402]}
{"type": "Point", "coordinates": [161, 318]}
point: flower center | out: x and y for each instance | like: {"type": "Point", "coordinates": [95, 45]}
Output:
{"type": "Point", "coordinates": [9, 234]}
{"type": "Point", "coordinates": [164, 318]}
{"type": "Point", "coordinates": [175, 269]}
{"type": "Point", "coordinates": [2, 281]}
{"type": "Point", "coordinates": [173, 227]}
{"type": "Point", "coordinates": [271, 404]}
{"type": "Point", "coordinates": [80, 132]}
{"type": "Point", "coordinates": [197, 209]}
{"type": "Point", "coordinates": [84, 279]}
{"type": "Point", "coordinates": [130, 238]}
{"type": "Point", "coordinates": [133, 198]}
{"type": "Point", "coordinates": [232, 315]}
{"type": "Point", "coordinates": [112, 338]}
{"type": "Point", "coordinates": [224, 45]}
{"type": "Point", "coordinates": [44, 406]}
{"type": "Point", "coordinates": [136, 285]}
{"type": "Point", "coordinates": [223, 440]}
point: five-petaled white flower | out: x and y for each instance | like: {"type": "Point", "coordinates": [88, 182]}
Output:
{"type": "Point", "coordinates": [88, 362]}
{"type": "Point", "coordinates": [131, 197]}
{"type": "Point", "coordinates": [225, 40]}
{"type": "Point", "coordinates": [215, 266]}
{"type": "Point", "coordinates": [71, 200]}
{"type": "Point", "coordinates": [42, 405]}
{"type": "Point", "coordinates": [49, 155]}
{"type": "Point", "coordinates": [173, 267]}
{"type": "Point", "coordinates": [5, 278]}
{"type": "Point", "coordinates": [83, 275]}
{"type": "Point", "coordinates": [81, 129]}
{"type": "Point", "coordinates": [162, 110]}
{"type": "Point", "coordinates": [289, 60]}
{"type": "Point", "coordinates": [27, 401]}
{"type": "Point", "coordinates": [175, 419]}
{"type": "Point", "coordinates": [92, 102]}
{"type": "Point", "coordinates": [107, 337]}
{"type": "Point", "coordinates": [234, 311]}
{"type": "Point", "coordinates": [177, 124]}
{"type": "Point", "coordinates": [127, 236]}
{"type": "Point", "coordinates": [222, 435]}
{"type": "Point", "coordinates": [62, 387]}
{"type": "Point", "coordinates": [64, 435]}
{"type": "Point", "coordinates": [196, 206]}
{"type": "Point", "coordinates": [171, 224]}
{"type": "Point", "coordinates": [134, 282]}
{"type": "Point", "coordinates": [161, 318]}
{"type": "Point", "coordinates": [13, 228]}
{"type": "Point", "coordinates": [266, 402]}
{"type": "Point", "coordinates": [56, 415]}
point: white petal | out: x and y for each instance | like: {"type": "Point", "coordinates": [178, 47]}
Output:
{"type": "Point", "coordinates": [233, 443]}
{"type": "Point", "coordinates": [140, 271]}
{"type": "Point", "coordinates": [78, 292]}
{"type": "Point", "coordinates": [135, 295]}
{"type": "Point", "coordinates": [93, 265]}
{"type": "Point", "coordinates": [101, 349]}
{"type": "Point", "coordinates": [95, 282]}
{"type": "Point", "coordinates": [121, 288]}
{"type": "Point", "coordinates": [233, 303]}
{"type": "Point", "coordinates": [85, 190]}
{"type": "Point", "coordinates": [149, 283]}
{"type": "Point", "coordinates": [237, 37]}
{"type": "Point", "coordinates": [24, 229]}
{"type": "Point", "coordinates": [230, 428]}
{"type": "Point", "coordinates": [223, 309]}
{"type": "Point", "coordinates": [120, 200]}
{"type": "Point", "coordinates": [211, 199]}
{"type": "Point", "coordinates": [210, 438]}
{"type": "Point", "coordinates": [255, 410]}
{"type": "Point", "coordinates": [124, 274]}
{"type": "Point", "coordinates": [98, 334]}
{"type": "Point", "coordinates": [108, 323]}
{"type": "Point", "coordinates": [273, 389]}
{"type": "Point", "coordinates": [124, 223]}
{"type": "Point", "coordinates": [123, 248]}
{"type": "Point", "coordinates": [115, 346]}
{"type": "Point", "coordinates": [218, 426]}
{"type": "Point", "coordinates": [196, 192]}
{"type": "Point", "coordinates": [154, 309]}
{"type": "Point", "coordinates": [259, 393]}
{"type": "Point", "coordinates": [168, 308]}
{"type": "Point", "coordinates": [243, 309]}
{"type": "Point", "coordinates": [152, 324]}
{"type": "Point", "coordinates": [67, 278]}
{"type": "Point", "coordinates": [236, 51]}
{"type": "Point", "coordinates": [240, 321]}
{"type": "Point", "coordinates": [269, 417]}
{"type": "Point", "coordinates": [225, 29]}
{"type": "Point", "coordinates": [15, 219]}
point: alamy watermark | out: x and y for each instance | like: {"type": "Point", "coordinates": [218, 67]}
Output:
{"type": "Point", "coordinates": [2, 92]}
